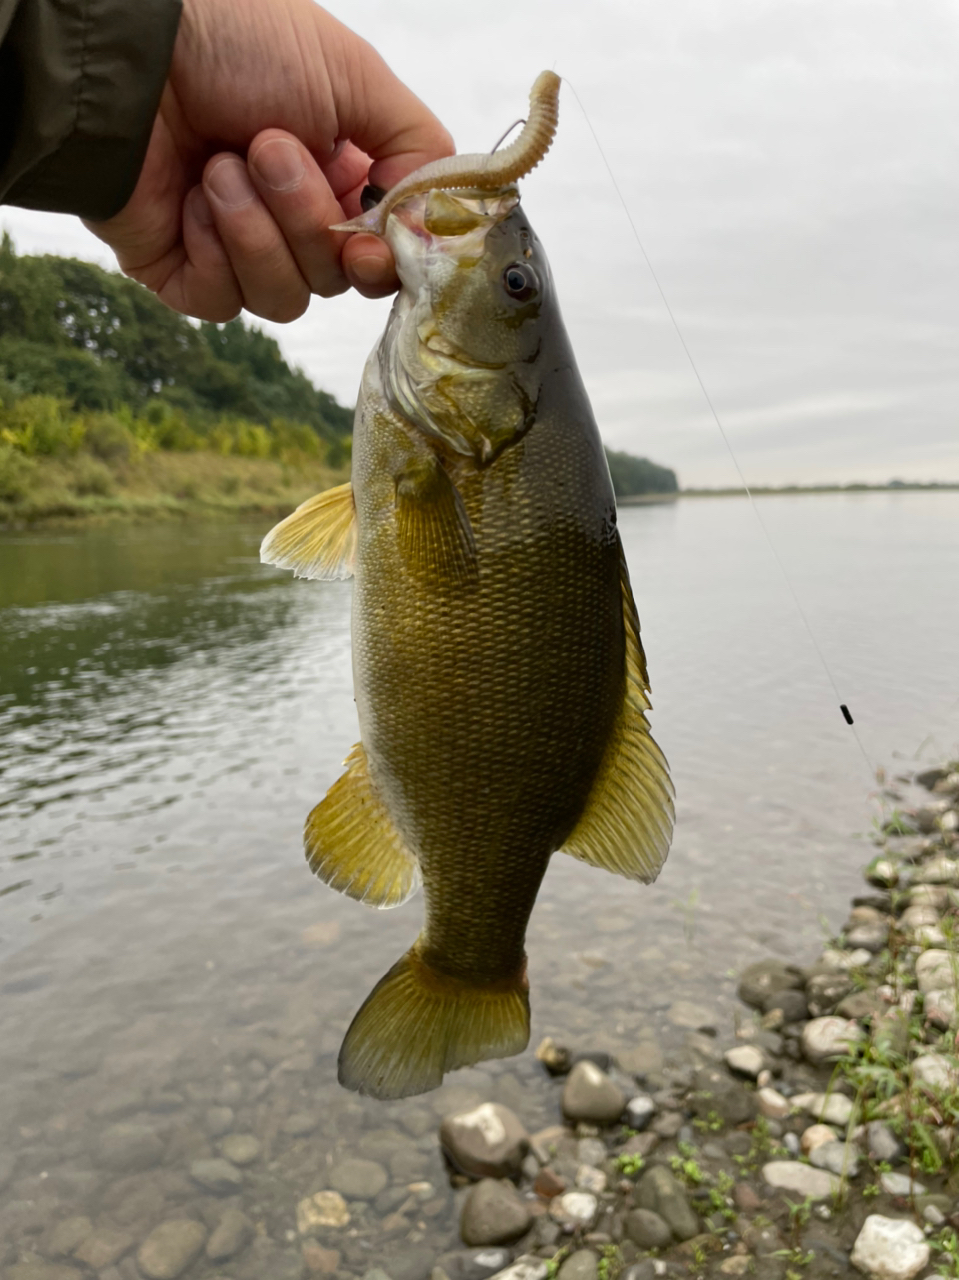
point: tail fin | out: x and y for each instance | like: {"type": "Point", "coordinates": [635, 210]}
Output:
{"type": "Point", "coordinates": [418, 1023]}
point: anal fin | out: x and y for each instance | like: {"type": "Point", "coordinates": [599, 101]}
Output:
{"type": "Point", "coordinates": [319, 539]}
{"type": "Point", "coordinates": [627, 823]}
{"type": "Point", "coordinates": [352, 844]}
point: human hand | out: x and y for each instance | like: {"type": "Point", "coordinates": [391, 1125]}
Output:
{"type": "Point", "coordinates": [310, 114]}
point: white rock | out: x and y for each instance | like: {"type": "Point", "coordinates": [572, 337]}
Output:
{"type": "Point", "coordinates": [937, 1071]}
{"type": "Point", "coordinates": [939, 870]}
{"type": "Point", "coordinates": [574, 1209]}
{"type": "Point", "coordinates": [745, 1060]}
{"type": "Point", "coordinates": [916, 917]}
{"type": "Point", "coordinates": [591, 1179]}
{"type": "Point", "coordinates": [828, 1038]}
{"type": "Point", "coordinates": [838, 961]}
{"type": "Point", "coordinates": [790, 1175]}
{"type": "Point", "coordinates": [900, 1184]}
{"type": "Point", "coordinates": [933, 1215]}
{"type": "Point", "coordinates": [935, 971]}
{"type": "Point", "coordinates": [941, 1008]}
{"type": "Point", "coordinates": [929, 935]}
{"type": "Point", "coordinates": [524, 1268]}
{"type": "Point", "coordinates": [639, 1111]}
{"type": "Point", "coordinates": [838, 1157]}
{"type": "Point", "coordinates": [772, 1104]}
{"type": "Point", "coordinates": [827, 1108]}
{"type": "Point", "coordinates": [324, 1209]}
{"type": "Point", "coordinates": [815, 1136]}
{"type": "Point", "coordinates": [890, 1248]}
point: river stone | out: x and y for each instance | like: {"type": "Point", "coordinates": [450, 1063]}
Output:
{"type": "Point", "coordinates": [487, 1142]}
{"type": "Point", "coordinates": [826, 1108]}
{"type": "Point", "coordinates": [267, 1260]}
{"type": "Point", "coordinates": [745, 1060]}
{"type": "Point", "coordinates": [645, 1270]}
{"type": "Point", "coordinates": [815, 1136]}
{"type": "Point", "coordinates": [358, 1179]}
{"type": "Point", "coordinates": [790, 1000]}
{"type": "Point", "coordinates": [683, 1013]}
{"type": "Point", "coordinates": [941, 870]}
{"type": "Point", "coordinates": [716, 1092]}
{"type": "Point", "coordinates": [232, 1233]}
{"type": "Point", "coordinates": [934, 971]}
{"type": "Point", "coordinates": [882, 1143]}
{"type": "Point", "coordinates": [790, 1175]}
{"type": "Point", "coordinates": [869, 937]}
{"type": "Point", "coordinates": [41, 1271]}
{"type": "Point", "coordinates": [574, 1210]}
{"type": "Point", "coordinates": [525, 1268]}
{"type": "Point", "coordinates": [68, 1235]}
{"type": "Point", "coordinates": [639, 1111]}
{"type": "Point", "coordinates": [890, 1248]}
{"type": "Point", "coordinates": [217, 1175]}
{"type": "Point", "coordinates": [581, 1265]}
{"type": "Point", "coordinates": [835, 1157]}
{"type": "Point", "coordinates": [772, 1104]}
{"type": "Point", "coordinates": [647, 1229]}
{"type": "Point", "coordinates": [937, 1071]}
{"type": "Point", "coordinates": [170, 1248]}
{"type": "Point", "coordinates": [900, 1184]}
{"type": "Point", "coordinates": [826, 1039]}
{"type": "Point", "coordinates": [473, 1264]}
{"type": "Point", "coordinates": [299, 1125]}
{"type": "Point", "coordinates": [825, 990]}
{"type": "Point", "coordinates": [658, 1190]}
{"type": "Point", "coordinates": [882, 872]}
{"type": "Point", "coordinates": [241, 1148]}
{"type": "Point", "coordinates": [589, 1094]}
{"type": "Point", "coordinates": [493, 1213]}
{"type": "Point", "coordinates": [218, 1121]}
{"type": "Point", "coordinates": [103, 1247]}
{"type": "Point", "coordinates": [323, 1209]}
{"type": "Point", "coordinates": [129, 1148]}
{"type": "Point", "coordinates": [941, 1008]}
{"type": "Point", "coordinates": [761, 979]}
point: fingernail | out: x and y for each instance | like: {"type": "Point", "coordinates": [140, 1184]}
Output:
{"type": "Point", "coordinates": [200, 207]}
{"type": "Point", "coordinates": [370, 270]}
{"type": "Point", "coordinates": [279, 164]}
{"type": "Point", "coordinates": [230, 183]}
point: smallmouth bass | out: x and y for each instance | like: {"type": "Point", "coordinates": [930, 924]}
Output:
{"type": "Point", "coordinates": [500, 680]}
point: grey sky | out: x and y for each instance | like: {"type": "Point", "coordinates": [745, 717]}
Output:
{"type": "Point", "coordinates": [793, 168]}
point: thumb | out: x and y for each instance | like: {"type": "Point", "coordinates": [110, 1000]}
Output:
{"type": "Point", "coordinates": [381, 116]}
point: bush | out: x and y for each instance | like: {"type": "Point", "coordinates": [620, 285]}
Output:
{"type": "Point", "coordinates": [16, 474]}
{"type": "Point", "coordinates": [108, 438]}
{"type": "Point", "coordinates": [41, 425]}
{"type": "Point", "coordinates": [91, 477]}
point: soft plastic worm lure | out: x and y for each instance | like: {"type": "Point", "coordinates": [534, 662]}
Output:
{"type": "Point", "coordinates": [486, 172]}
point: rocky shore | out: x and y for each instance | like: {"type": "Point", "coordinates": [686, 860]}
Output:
{"type": "Point", "coordinates": [818, 1137]}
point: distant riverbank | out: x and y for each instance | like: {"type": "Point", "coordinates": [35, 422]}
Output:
{"type": "Point", "coordinates": [160, 485]}
{"type": "Point", "coordinates": [766, 491]}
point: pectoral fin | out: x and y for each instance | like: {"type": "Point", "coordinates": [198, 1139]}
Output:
{"type": "Point", "coordinates": [431, 523]}
{"type": "Point", "coordinates": [627, 823]}
{"type": "Point", "coordinates": [352, 844]}
{"type": "Point", "coordinates": [319, 539]}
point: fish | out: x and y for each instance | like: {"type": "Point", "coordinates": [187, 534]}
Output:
{"type": "Point", "coordinates": [500, 680]}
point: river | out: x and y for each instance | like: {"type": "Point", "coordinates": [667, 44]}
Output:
{"type": "Point", "coordinates": [169, 712]}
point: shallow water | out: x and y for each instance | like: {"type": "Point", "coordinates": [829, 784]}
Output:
{"type": "Point", "coordinates": [169, 712]}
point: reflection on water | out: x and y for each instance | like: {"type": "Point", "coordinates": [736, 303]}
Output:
{"type": "Point", "coordinates": [169, 712]}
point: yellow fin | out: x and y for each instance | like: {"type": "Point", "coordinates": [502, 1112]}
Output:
{"type": "Point", "coordinates": [319, 539]}
{"type": "Point", "coordinates": [352, 844]}
{"type": "Point", "coordinates": [432, 524]}
{"type": "Point", "coordinates": [418, 1023]}
{"type": "Point", "coordinates": [627, 824]}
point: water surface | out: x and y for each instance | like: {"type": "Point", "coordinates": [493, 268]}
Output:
{"type": "Point", "coordinates": [169, 712]}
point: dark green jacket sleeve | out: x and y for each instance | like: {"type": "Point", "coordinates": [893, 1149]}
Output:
{"type": "Point", "coordinates": [80, 83]}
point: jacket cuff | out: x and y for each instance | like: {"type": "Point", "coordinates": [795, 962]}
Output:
{"type": "Point", "coordinates": [82, 84]}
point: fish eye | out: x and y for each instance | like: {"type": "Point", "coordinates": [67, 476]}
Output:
{"type": "Point", "coordinates": [520, 281]}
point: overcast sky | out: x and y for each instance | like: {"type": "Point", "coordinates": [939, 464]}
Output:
{"type": "Point", "coordinates": [793, 169]}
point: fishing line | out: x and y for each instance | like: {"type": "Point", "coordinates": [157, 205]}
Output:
{"type": "Point", "coordinates": [843, 707]}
